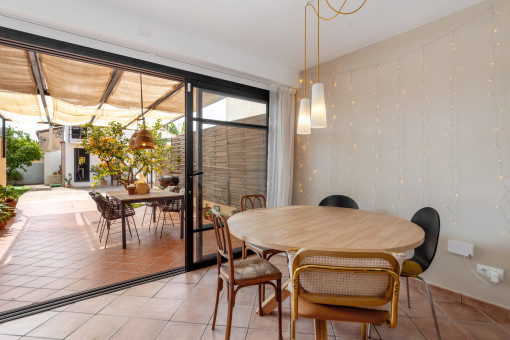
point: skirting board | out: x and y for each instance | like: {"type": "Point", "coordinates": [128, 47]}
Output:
{"type": "Point", "coordinates": [498, 313]}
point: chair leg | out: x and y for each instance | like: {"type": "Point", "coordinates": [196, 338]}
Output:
{"type": "Point", "coordinates": [107, 233]}
{"type": "Point", "coordinates": [369, 327]}
{"type": "Point", "coordinates": [163, 224]}
{"type": "Point", "coordinates": [408, 298]}
{"type": "Point", "coordinates": [363, 331]}
{"type": "Point", "coordinates": [230, 310]}
{"type": "Point", "coordinates": [321, 330]}
{"type": "Point", "coordinates": [218, 291]}
{"type": "Point", "coordinates": [134, 224]}
{"type": "Point", "coordinates": [145, 212]}
{"type": "Point", "coordinates": [98, 223]}
{"type": "Point", "coordinates": [129, 227]}
{"type": "Point", "coordinates": [279, 298]}
{"type": "Point", "coordinates": [261, 312]}
{"type": "Point", "coordinates": [431, 307]}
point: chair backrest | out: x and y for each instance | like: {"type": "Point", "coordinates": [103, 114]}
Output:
{"type": "Point", "coordinates": [340, 201]}
{"type": "Point", "coordinates": [253, 202]}
{"type": "Point", "coordinates": [428, 219]}
{"type": "Point", "coordinates": [346, 278]}
{"type": "Point", "coordinates": [222, 233]}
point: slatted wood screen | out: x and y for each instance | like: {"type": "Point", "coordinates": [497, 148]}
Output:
{"type": "Point", "coordinates": [234, 161]}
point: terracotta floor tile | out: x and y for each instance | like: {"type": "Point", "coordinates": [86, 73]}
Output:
{"type": "Point", "coordinates": [173, 290]}
{"type": "Point", "coordinates": [159, 309]}
{"type": "Point", "coordinates": [61, 325]}
{"type": "Point", "coordinates": [447, 329]}
{"type": "Point", "coordinates": [461, 312]}
{"type": "Point", "coordinates": [270, 321]}
{"type": "Point", "coordinates": [136, 329]}
{"type": "Point", "coordinates": [16, 293]}
{"type": "Point", "coordinates": [203, 293]}
{"type": "Point", "coordinates": [241, 315]}
{"type": "Point", "coordinates": [148, 289]}
{"type": "Point", "coordinates": [484, 331]}
{"type": "Point", "coordinates": [37, 295]}
{"type": "Point", "coordinates": [99, 327]}
{"type": "Point", "coordinates": [93, 305]}
{"type": "Point", "coordinates": [191, 311]}
{"type": "Point", "coordinates": [236, 333]}
{"type": "Point", "coordinates": [405, 330]}
{"type": "Point", "coordinates": [182, 331]}
{"type": "Point", "coordinates": [125, 305]}
{"type": "Point", "coordinates": [21, 280]}
{"type": "Point", "coordinates": [257, 334]}
{"type": "Point", "coordinates": [24, 325]}
{"type": "Point", "coordinates": [420, 308]}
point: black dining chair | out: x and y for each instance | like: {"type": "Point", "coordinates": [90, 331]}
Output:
{"type": "Point", "coordinates": [340, 201]}
{"type": "Point", "coordinates": [428, 219]}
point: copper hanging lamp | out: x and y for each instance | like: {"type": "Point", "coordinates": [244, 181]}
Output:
{"type": "Point", "coordinates": [143, 139]}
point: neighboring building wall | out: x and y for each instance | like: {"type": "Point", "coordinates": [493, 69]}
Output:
{"type": "Point", "coordinates": [33, 175]}
{"type": "Point", "coordinates": [51, 164]}
{"type": "Point", "coordinates": [415, 121]}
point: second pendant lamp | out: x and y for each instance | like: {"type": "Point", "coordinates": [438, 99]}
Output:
{"type": "Point", "coordinates": [318, 111]}
{"type": "Point", "coordinates": [142, 138]}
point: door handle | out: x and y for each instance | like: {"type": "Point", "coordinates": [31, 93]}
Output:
{"type": "Point", "coordinates": [196, 174]}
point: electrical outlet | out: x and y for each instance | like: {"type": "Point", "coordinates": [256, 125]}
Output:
{"type": "Point", "coordinates": [460, 248]}
{"type": "Point", "coordinates": [494, 274]}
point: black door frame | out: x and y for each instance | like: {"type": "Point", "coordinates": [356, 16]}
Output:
{"type": "Point", "coordinates": [242, 93]}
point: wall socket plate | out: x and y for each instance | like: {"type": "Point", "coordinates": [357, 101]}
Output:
{"type": "Point", "coordinates": [488, 271]}
{"type": "Point", "coordinates": [461, 248]}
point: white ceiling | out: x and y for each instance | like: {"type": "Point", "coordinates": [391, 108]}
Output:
{"type": "Point", "coordinates": [274, 29]}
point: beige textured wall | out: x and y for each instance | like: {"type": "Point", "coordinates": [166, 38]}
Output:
{"type": "Point", "coordinates": [422, 119]}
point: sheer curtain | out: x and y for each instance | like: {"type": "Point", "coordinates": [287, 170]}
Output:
{"type": "Point", "coordinates": [280, 154]}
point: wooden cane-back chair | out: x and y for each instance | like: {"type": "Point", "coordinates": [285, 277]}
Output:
{"type": "Point", "coordinates": [241, 273]}
{"type": "Point", "coordinates": [249, 202]}
{"type": "Point", "coordinates": [354, 286]}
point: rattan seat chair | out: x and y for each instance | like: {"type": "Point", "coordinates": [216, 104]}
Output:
{"type": "Point", "coordinates": [167, 207]}
{"type": "Point", "coordinates": [111, 212]}
{"type": "Point", "coordinates": [354, 286]}
{"type": "Point", "coordinates": [95, 197]}
{"type": "Point", "coordinates": [241, 273]}
{"type": "Point", "coordinates": [428, 219]}
{"type": "Point", "coordinates": [340, 201]}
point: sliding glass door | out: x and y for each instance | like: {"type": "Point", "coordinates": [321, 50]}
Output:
{"type": "Point", "coordinates": [226, 159]}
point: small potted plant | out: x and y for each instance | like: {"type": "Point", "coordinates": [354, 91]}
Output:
{"type": "Point", "coordinates": [131, 189]}
{"type": "Point", "coordinates": [60, 169]}
{"type": "Point", "coordinates": [9, 197]}
{"type": "Point", "coordinates": [5, 215]}
{"type": "Point", "coordinates": [68, 180]}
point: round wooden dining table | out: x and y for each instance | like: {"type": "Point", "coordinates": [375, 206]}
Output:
{"type": "Point", "coordinates": [292, 227]}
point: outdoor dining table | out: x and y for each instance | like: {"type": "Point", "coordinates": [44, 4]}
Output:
{"type": "Point", "coordinates": [293, 227]}
{"type": "Point", "coordinates": [124, 198]}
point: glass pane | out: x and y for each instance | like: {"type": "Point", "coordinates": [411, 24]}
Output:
{"type": "Point", "coordinates": [205, 245]}
{"type": "Point", "coordinates": [221, 107]}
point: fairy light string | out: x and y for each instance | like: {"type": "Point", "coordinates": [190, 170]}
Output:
{"type": "Point", "coordinates": [503, 201]}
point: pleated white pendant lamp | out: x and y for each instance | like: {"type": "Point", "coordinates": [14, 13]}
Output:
{"type": "Point", "coordinates": [303, 125]}
{"type": "Point", "coordinates": [318, 116]}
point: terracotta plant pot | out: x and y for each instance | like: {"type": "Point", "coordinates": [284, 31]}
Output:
{"type": "Point", "coordinates": [11, 203]}
{"type": "Point", "coordinates": [131, 190]}
{"type": "Point", "coordinates": [68, 185]}
{"type": "Point", "coordinates": [3, 223]}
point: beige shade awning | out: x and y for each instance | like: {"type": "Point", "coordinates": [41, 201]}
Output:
{"type": "Point", "coordinates": [79, 92]}
{"type": "Point", "coordinates": [75, 82]}
{"type": "Point", "coordinates": [15, 71]}
{"type": "Point", "coordinates": [127, 92]}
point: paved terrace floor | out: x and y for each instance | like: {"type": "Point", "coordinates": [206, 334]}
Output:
{"type": "Point", "coordinates": [51, 248]}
